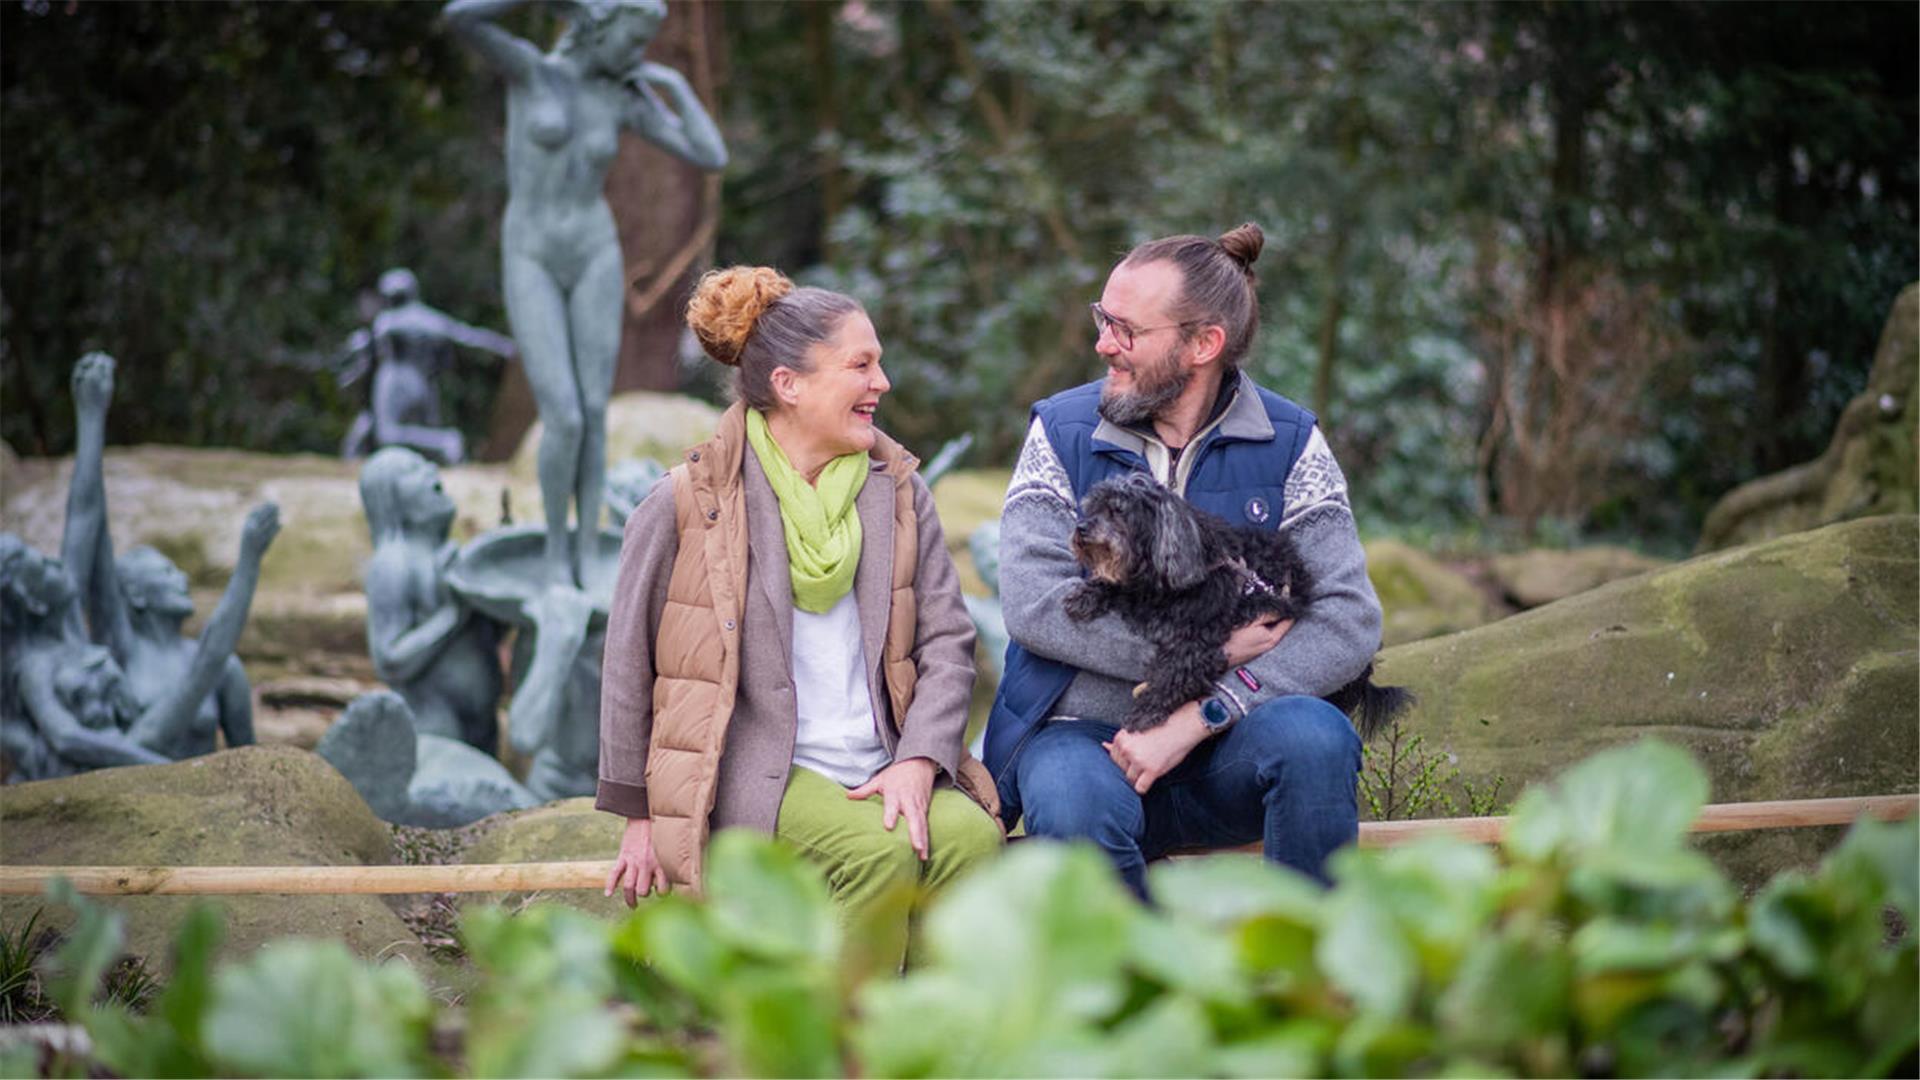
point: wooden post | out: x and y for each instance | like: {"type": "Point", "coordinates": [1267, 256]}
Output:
{"type": "Point", "coordinates": [526, 877]}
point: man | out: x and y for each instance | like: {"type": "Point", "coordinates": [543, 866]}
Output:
{"type": "Point", "coordinates": [1262, 758]}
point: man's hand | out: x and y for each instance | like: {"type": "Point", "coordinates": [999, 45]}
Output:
{"type": "Point", "coordinates": [905, 789]}
{"type": "Point", "coordinates": [636, 871]}
{"type": "Point", "coordinates": [1146, 756]}
{"type": "Point", "coordinates": [1252, 641]}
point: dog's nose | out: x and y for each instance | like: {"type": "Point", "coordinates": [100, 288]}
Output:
{"type": "Point", "coordinates": [1080, 527]}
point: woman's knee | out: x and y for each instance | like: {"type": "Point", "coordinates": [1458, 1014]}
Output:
{"type": "Point", "coordinates": [872, 860]}
{"type": "Point", "coordinates": [964, 836]}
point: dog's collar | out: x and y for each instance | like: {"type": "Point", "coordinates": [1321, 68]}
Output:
{"type": "Point", "coordinates": [1251, 584]}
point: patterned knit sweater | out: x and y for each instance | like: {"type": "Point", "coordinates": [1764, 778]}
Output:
{"type": "Point", "coordinates": [1325, 650]}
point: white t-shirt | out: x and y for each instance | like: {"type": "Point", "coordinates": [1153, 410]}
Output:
{"type": "Point", "coordinates": [838, 737]}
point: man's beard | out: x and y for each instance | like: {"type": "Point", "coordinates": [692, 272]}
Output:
{"type": "Point", "coordinates": [1152, 393]}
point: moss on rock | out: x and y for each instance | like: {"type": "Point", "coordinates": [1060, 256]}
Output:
{"type": "Point", "coordinates": [1420, 597]}
{"type": "Point", "coordinates": [1531, 579]}
{"type": "Point", "coordinates": [557, 832]}
{"type": "Point", "coordinates": [1869, 468]}
{"type": "Point", "coordinates": [1788, 668]}
{"type": "Point", "coordinates": [255, 806]}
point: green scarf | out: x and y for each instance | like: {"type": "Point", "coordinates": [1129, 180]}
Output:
{"type": "Point", "coordinates": [823, 532]}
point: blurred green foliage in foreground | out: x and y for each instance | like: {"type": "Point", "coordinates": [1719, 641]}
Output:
{"type": "Point", "coordinates": [1594, 942]}
{"type": "Point", "coordinates": [1579, 267]}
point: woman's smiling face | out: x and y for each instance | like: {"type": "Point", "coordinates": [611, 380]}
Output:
{"type": "Point", "coordinates": [834, 402]}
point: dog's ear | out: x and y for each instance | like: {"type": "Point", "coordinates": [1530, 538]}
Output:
{"type": "Point", "coordinates": [1179, 558]}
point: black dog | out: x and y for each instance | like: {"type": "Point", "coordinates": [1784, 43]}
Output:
{"type": "Point", "coordinates": [1185, 580]}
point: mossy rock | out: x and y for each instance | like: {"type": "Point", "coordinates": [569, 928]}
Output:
{"type": "Point", "coordinates": [1869, 468]}
{"type": "Point", "coordinates": [640, 424]}
{"type": "Point", "coordinates": [255, 806]}
{"type": "Point", "coordinates": [557, 832]}
{"type": "Point", "coordinates": [1530, 579]}
{"type": "Point", "coordinates": [1420, 597]}
{"type": "Point", "coordinates": [1787, 667]}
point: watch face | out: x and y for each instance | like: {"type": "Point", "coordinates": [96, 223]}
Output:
{"type": "Point", "coordinates": [1213, 713]}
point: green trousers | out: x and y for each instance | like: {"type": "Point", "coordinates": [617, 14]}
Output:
{"type": "Point", "coordinates": [879, 882]}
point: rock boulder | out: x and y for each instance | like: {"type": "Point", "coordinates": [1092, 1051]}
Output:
{"type": "Point", "coordinates": [1421, 597]}
{"type": "Point", "coordinates": [1788, 667]}
{"type": "Point", "coordinates": [1869, 467]}
{"type": "Point", "coordinates": [255, 806]}
{"type": "Point", "coordinates": [1530, 579]}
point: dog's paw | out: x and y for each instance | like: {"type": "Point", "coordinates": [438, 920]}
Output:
{"type": "Point", "coordinates": [1084, 604]}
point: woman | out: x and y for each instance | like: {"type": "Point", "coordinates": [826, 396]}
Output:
{"type": "Point", "coordinates": [787, 648]}
{"type": "Point", "coordinates": [560, 253]}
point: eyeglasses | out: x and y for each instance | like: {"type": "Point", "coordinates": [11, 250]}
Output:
{"type": "Point", "coordinates": [1124, 332]}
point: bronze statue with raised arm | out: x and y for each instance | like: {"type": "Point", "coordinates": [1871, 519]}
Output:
{"type": "Point", "coordinates": [561, 264]}
{"type": "Point", "coordinates": [148, 695]}
{"type": "Point", "coordinates": [137, 605]}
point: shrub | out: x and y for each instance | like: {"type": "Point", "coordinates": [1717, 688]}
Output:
{"type": "Point", "coordinates": [1594, 941]}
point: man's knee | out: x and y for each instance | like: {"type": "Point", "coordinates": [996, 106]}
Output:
{"type": "Point", "coordinates": [1070, 788]}
{"type": "Point", "coordinates": [1303, 732]}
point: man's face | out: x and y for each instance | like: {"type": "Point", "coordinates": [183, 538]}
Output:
{"type": "Point", "coordinates": [1145, 379]}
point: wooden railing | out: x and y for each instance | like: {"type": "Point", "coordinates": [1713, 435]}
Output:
{"type": "Point", "coordinates": [518, 877]}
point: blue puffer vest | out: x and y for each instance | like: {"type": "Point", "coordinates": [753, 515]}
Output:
{"type": "Point", "coordinates": [1240, 479]}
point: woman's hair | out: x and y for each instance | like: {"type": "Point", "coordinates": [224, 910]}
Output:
{"type": "Point", "coordinates": [1217, 284]}
{"type": "Point", "coordinates": [589, 19]}
{"type": "Point", "coordinates": [753, 319]}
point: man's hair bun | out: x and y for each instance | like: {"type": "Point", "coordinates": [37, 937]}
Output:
{"type": "Point", "coordinates": [1243, 243]}
{"type": "Point", "coordinates": [726, 304]}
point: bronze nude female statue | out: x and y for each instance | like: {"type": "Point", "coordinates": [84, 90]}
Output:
{"type": "Point", "coordinates": [561, 265]}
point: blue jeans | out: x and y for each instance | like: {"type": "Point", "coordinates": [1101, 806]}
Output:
{"type": "Point", "coordinates": [1285, 775]}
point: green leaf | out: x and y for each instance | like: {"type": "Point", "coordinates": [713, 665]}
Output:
{"type": "Point", "coordinates": [1290, 1048]}
{"type": "Point", "coordinates": [1612, 944]}
{"type": "Point", "coordinates": [1441, 893]}
{"type": "Point", "coordinates": [681, 947]}
{"type": "Point", "coordinates": [1639, 799]}
{"type": "Point", "coordinates": [539, 948]}
{"type": "Point", "coordinates": [931, 1023]}
{"type": "Point", "coordinates": [563, 1033]}
{"type": "Point", "coordinates": [90, 948]}
{"type": "Point", "coordinates": [764, 898]}
{"type": "Point", "coordinates": [1171, 1037]}
{"type": "Point", "coordinates": [308, 1008]}
{"type": "Point", "coordinates": [168, 1041]}
{"type": "Point", "coordinates": [1513, 988]}
{"type": "Point", "coordinates": [1189, 959]}
{"type": "Point", "coordinates": [1363, 952]}
{"type": "Point", "coordinates": [781, 1023]}
{"type": "Point", "coordinates": [1377, 1045]}
{"type": "Point", "coordinates": [1046, 926]}
{"type": "Point", "coordinates": [1221, 890]}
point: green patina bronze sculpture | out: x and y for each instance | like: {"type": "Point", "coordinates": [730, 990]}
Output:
{"type": "Point", "coordinates": [409, 344]}
{"type": "Point", "coordinates": [96, 669]}
{"type": "Point", "coordinates": [560, 253]}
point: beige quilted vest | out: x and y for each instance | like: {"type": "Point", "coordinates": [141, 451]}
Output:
{"type": "Point", "coordinates": [697, 646]}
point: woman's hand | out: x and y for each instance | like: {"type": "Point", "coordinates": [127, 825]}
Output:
{"type": "Point", "coordinates": [1252, 641]}
{"type": "Point", "coordinates": [905, 788]}
{"type": "Point", "coordinates": [636, 871]}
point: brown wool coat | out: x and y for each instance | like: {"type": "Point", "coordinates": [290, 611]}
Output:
{"type": "Point", "coordinates": [697, 711]}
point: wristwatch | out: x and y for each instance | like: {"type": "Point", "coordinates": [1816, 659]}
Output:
{"type": "Point", "coordinates": [1214, 714]}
